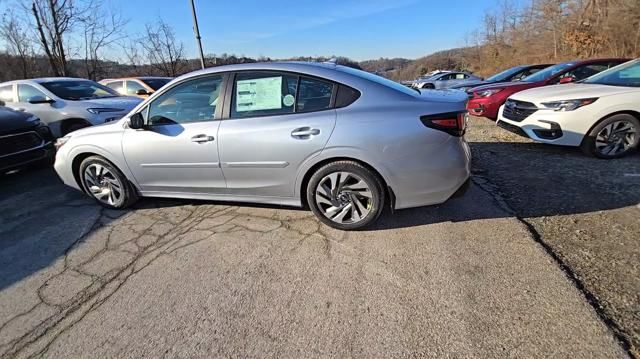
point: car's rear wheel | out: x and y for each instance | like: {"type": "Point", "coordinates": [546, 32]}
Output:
{"type": "Point", "coordinates": [345, 195]}
{"type": "Point", "coordinates": [613, 137]}
{"type": "Point", "coordinates": [106, 184]}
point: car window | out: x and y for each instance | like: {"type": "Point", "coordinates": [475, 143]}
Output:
{"type": "Point", "coordinates": [155, 83]}
{"type": "Point", "coordinates": [461, 76]}
{"type": "Point", "coordinates": [314, 95]}
{"type": "Point", "coordinates": [25, 92]}
{"type": "Point", "coordinates": [117, 86]}
{"type": "Point", "coordinates": [627, 75]}
{"type": "Point", "coordinates": [133, 87]}
{"type": "Point", "coordinates": [76, 90]}
{"type": "Point", "coordinates": [191, 101]}
{"type": "Point", "coordinates": [6, 93]}
{"type": "Point", "coordinates": [548, 72]}
{"type": "Point", "coordinates": [263, 94]}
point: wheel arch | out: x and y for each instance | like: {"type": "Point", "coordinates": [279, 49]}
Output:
{"type": "Point", "coordinates": [390, 196]}
{"type": "Point", "coordinates": [633, 113]}
{"type": "Point", "coordinates": [81, 155]}
{"type": "Point", "coordinates": [65, 123]}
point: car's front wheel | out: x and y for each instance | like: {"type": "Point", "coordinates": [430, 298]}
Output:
{"type": "Point", "coordinates": [345, 195]}
{"type": "Point", "coordinates": [106, 184]}
{"type": "Point", "coordinates": [613, 137]}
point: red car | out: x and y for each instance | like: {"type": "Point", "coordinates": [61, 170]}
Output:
{"type": "Point", "coordinates": [486, 100]}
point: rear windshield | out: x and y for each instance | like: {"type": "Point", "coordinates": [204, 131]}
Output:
{"type": "Point", "coordinates": [379, 79]}
{"type": "Point", "coordinates": [156, 83]}
{"type": "Point", "coordinates": [501, 76]}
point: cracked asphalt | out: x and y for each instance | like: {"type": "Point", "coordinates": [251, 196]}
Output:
{"type": "Point", "coordinates": [202, 279]}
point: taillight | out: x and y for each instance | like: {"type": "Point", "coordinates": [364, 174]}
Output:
{"type": "Point", "coordinates": [453, 123]}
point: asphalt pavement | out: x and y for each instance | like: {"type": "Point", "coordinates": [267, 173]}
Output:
{"type": "Point", "coordinates": [202, 279]}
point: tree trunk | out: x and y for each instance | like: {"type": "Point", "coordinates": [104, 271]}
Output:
{"type": "Point", "coordinates": [45, 43]}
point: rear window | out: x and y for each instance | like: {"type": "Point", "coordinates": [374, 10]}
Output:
{"type": "Point", "coordinates": [379, 79]}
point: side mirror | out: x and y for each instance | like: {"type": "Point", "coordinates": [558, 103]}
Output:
{"type": "Point", "coordinates": [136, 121]}
{"type": "Point", "coordinates": [39, 99]}
{"type": "Point", "coordinates": [566, 80]}
{"type": "Point", "coordinates": [142, 92]}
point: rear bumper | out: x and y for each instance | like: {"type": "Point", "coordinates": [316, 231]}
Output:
{"type": "Point", "coordinates": [427, 181]}
{"type": "Point", "coordinates": [25, 158]}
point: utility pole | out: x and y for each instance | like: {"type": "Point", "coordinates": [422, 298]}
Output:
{"type": "Point", "coordinates": [197, 32]}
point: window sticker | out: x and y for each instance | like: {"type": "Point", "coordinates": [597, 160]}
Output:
{"type": "Point", "coordinates": [259, 94]}
{"type": "Point", "coordinates": [288, 100]}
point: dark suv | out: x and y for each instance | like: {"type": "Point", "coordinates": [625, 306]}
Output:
{"type": "Point", "coordinates": [23, 140]}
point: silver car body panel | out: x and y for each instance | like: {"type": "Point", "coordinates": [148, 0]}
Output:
{"type": "Point", "coordinates": [259, 160]}
{"type": "Point", "coordinates": [55, 113]}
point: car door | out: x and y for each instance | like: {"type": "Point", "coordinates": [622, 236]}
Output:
{"type": "Point", "coordinates": [132, 88]}
{"type": "Point", "coordinates": [444, 81]}
{"type": "Point", "coordinates": [276, 122]}
{"type": "Point", "coordinates": [27, 92]}
{"type": "Point", "coordinates": [7, 96]}
{"type": "Point", "coordinates": [177, 151]}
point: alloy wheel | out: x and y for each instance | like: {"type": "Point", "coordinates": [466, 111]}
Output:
{"type": "Point", "coordinates": [103, 184]}
{"type": "Point", "coordinates": [344, 197]}
{"type": "Point", "coordinates": [615, 138]}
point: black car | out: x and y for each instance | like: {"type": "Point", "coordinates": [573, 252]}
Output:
{"type": "Point", "coordinates": [509, 75]}
{"type": "Point", "coordinates": [24, 140]}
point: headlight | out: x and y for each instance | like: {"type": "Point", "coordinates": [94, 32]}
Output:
{"type": "Point", "coordinates": [61, 141]}
{"type": "Point", "coordinates": [569, 105]}
{"type": "Point", "coordinates": [98, 110]}
{"type": "Point", "coordinates": [487, 93]}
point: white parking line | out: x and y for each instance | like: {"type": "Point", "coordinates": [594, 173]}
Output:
{"type": "Point", "coordinates": [632, 174]}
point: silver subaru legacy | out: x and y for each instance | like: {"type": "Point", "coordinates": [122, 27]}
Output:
{"type": "Point", "coordinates": [341, 141]}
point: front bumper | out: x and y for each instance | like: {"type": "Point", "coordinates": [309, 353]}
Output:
{"type": "Point", "coordinates": [546, 126]}
{"type": "Point", "coordinates": [483, 107]}
{"type": "Point", "coordinates": [25, 158]}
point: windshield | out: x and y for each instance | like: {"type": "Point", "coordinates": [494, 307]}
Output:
{"type": "Point", "coordinates": [155, 84]}
{"type": "Point", "coordinates": [79, 89]}
{"type": "Point", "coordinates": [548, 72]}
{"type": "Point", "coordinates": [627, 74]}
{"type": "Point", "coordinates": [380, 80]}
{"type": "Point", "coordinates": [504, 74]}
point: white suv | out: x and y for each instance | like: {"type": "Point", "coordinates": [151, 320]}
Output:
{"type": "Point", "coordinates": [66, 104]}
{"type": "Point", "coordinates": [601, 114]}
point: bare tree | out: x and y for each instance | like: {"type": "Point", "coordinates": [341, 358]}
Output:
{"type": "Point", "coordinates": [18, 42]}
{"type": "Point", "coordinates": [54, 20]}
{"type": "Point", "coordinates": [102, 28]}
{"type": "Point", "coordinates": [163, 51]}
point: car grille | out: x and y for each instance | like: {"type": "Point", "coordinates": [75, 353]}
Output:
{"type": "Point", "coordinates": [515, 110]}
{"type": "Point", "coordinates": [20, 142]}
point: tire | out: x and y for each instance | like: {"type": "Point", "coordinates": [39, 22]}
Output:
{"type": "Point", "coordinates": [106, 184]}
{"type": "Point", "coordinates": [428, 86]}
{"type": "Point", "coordinates": [346, 195]}
{"type": "Point", "coordinates": [608, 135]}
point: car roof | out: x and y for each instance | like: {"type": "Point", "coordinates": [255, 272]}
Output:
{"type": "Point", "coordinates": [138, 78]}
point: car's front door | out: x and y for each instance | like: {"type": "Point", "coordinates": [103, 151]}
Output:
{"type": "Point", "coordinates": [41, 110]}
{"type": "Point", "coordinates": [177, 151]}
{"type": "Point", "coordinates": [276, 122]}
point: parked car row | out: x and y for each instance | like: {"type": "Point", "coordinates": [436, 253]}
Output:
{"type": "Point", "coordinates": [34, 112]}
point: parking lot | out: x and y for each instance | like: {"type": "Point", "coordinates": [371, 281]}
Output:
{"type": "Point", "coordinates": [539, 259]}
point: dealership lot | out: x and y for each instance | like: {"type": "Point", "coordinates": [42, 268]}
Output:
{"type": "Point", "coordinates": [466, 278]}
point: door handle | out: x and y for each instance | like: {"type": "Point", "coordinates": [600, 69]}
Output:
{"type": "Point", "coordinates": [304, 132]}
{"type": "Point", "coordinates": [201, 138]}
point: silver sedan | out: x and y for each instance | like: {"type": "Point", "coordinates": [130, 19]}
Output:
{"type": "Point", "coordinates": [343, 142]}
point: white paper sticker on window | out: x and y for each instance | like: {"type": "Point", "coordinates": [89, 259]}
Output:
{"type": "Point", "coordinates": [259, 94]}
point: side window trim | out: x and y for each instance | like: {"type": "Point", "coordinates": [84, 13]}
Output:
{"type": "Point", "coordinates": [229, 86]}
{"type": "Point", "coordinates": [219, 109]}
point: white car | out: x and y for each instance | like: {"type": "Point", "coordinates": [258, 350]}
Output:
{"type": "Point", "coordinates": [601, 114]}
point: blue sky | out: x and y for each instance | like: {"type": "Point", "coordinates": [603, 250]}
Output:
{"type": "Point", "coordinates": [359, 29]}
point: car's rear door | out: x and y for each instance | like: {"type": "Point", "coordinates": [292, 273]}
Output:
{"type": "Point", "coordinates": [276, 121]}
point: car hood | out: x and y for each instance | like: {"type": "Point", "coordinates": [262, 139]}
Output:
{"type": "Point", "coordinates": [125, 102]}
{"type": "Point", "coordinates": [442, 95]}
{"type": "Point", "coordinates": [516, 86]}
{"type": "Point", "coordinates": [571, 92]}
{"type": "Point", "coordinates": [13, 121]}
